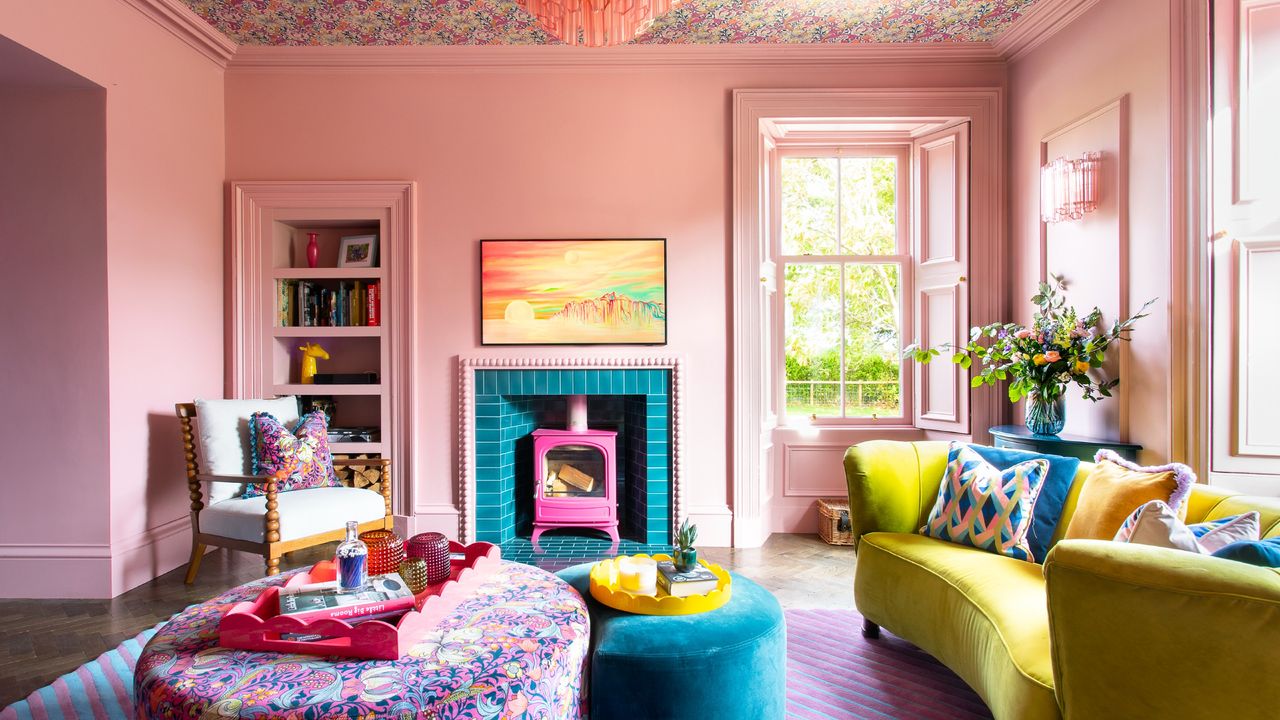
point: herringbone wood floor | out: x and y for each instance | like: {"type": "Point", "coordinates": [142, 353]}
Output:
{"type": "Point", "coordinates": [42, 639]}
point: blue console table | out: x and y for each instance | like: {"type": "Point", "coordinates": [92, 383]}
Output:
{"type": "Point", "coordinates": [1077, 446]}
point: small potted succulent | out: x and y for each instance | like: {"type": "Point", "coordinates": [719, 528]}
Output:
{"type": "Point", "coordinates": [685, 555]}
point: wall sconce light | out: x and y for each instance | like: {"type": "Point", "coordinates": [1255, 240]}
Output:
{"type": "Point", "coordinates": [1069, 188]}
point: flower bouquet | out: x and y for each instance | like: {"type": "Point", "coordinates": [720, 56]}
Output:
{"type": "Point", "coordinates": [1060, 347]}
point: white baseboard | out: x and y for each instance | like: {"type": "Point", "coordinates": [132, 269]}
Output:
{"type": "Point", "coordinates": [441, 518]}
{"type": "Point", "coordinates": [715, 524]}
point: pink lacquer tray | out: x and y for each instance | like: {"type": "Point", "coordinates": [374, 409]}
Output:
{"type": "Point", "coordinates": [256, 625]}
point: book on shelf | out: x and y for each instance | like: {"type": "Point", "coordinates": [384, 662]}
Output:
{"type": "Point", "coordinates": [385, 596]}
{"type": "Point", "coordinates": [304, 303]}
{"type": "Point", "coordinates": [697, 581]}
{"type": "Point", "coordinates": [373, 305]}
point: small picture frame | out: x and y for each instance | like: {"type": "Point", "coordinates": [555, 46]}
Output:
{"type": "Point", "coordinates": [358, 251]}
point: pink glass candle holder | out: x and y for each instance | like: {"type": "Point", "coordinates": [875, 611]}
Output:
{"type": "Point", "coordinates": [386, 551]}
{"type": "Point", "coordinates": [433, 547]}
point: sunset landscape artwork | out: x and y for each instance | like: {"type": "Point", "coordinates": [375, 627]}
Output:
{"type": "Point", "coordinates": [573, 292]}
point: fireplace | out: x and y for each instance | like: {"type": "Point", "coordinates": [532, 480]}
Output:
{"type": "Point", "coordinates": [508, 405]}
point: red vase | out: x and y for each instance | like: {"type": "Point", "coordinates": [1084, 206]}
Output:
{"type": "Point", "coordinates": [434, 548]}
{"type": "Point", "coordinates": [313, 250]}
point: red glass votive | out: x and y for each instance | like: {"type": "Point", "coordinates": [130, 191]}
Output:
{"type": "Point", "coordinates": [386, 551]}
{"type": "Point", "coordinates": [434, 548]}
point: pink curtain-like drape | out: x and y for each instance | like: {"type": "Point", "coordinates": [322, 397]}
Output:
{"type": "Point", "coordinates": [596, 23]}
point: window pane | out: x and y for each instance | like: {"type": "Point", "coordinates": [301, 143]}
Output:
{"type": "Point", "coordinates": [809, 206]}
{"type": "Point", "coordinates": [869, 205]}
{"type": "Point", "coordinates": [813, 340]}
{"type": "Point", "coordinates": [872, 340]}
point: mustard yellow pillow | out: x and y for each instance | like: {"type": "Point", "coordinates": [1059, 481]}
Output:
{"type": "Point", "coordinates": [1116, 487]}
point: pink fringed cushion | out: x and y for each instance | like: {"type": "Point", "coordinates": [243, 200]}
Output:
{"type": "Point", "coordinates": [302, 453]}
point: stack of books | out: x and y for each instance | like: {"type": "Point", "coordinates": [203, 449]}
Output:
{"type": "Point", "coordinates": [697, 581]}
{"type": "Point", "coordinates": [387, 596]}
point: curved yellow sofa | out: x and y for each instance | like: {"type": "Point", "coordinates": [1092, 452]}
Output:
{"type": "Point", "coordinates": [1101, 630]}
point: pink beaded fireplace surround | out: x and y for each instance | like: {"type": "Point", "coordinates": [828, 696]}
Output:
{"type": "Point", "coordinates": [562, 380]}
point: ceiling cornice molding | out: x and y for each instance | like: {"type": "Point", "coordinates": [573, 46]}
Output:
{"type": "Point", "coordinates": [481, 58]}
{"type": "Point", "coordinates": [1041, 22]}
{"type": "Point", "coordinates": [187, 26]}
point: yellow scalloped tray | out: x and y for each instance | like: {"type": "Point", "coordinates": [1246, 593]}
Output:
{"type": "Point", "coordinates": [604, 587]}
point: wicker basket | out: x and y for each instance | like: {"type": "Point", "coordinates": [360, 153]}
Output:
{"type": "Point", "coordinates": [833, 521]}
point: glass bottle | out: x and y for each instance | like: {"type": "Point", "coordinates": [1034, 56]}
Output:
{"type": "Point", "coordinates": [353, 561]}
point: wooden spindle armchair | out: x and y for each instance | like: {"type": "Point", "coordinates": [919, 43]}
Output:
{"type": "Point", "coordinates": [278, 523]}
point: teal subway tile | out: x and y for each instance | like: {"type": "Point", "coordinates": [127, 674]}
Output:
{"type": "Point", "coordinates": [486, 435]}
{"type": "Point", "coordinates": [658, 474]}
{"type": "Point", "coordinates": [553, 382]}
{"type": "Point", "coordinates": [656, 422]}
{"type": "Point", "coordinates": [487, 473]}
{"type": "Point", "coordinates": [486, 486]}
{"type": "Point", "coordinates": [593, 383]}
{"type": "Point", "coordinates": [579, 381]}
{"type": "Point", "coordinates": [488, 422]}
{"type": "Point", "coordinates": [488, 448]}
{"type": "Point", "coordinates": [657, 435]}
{"type": "Point", "coordinates": [539, 383]}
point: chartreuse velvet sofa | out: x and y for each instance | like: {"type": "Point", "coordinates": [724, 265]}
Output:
{"type": "Point", "coordinates": [1102, 630]}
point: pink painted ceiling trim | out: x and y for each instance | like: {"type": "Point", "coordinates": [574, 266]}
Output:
{"type": "Point", "coordinates": [1038, 23]}
{"type": "Point", "coordinates": [544, 57]}
{"type": "Point", "coordinates": [187, 26]}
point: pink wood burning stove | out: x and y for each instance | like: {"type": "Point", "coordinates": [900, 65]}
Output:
{"type": "Point", "coordinates": [575, 476]}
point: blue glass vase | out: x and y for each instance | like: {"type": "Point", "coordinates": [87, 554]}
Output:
{"type": "Point", "coordinates": [1045, 417]}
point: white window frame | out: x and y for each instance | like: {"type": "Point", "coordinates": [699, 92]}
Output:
{"type": "Point", "coordinates": [903, 259]}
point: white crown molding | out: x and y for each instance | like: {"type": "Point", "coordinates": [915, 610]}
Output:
{"type": "Point", "coordinates": [187, 26]}
{"type": "Point", "coordinates": [480, 58]}
{"type": "Point", "coordinates": [1041, 22]}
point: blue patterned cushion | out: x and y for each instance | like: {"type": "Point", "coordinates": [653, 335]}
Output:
{"type": "Point", "coordinates": [1053, 492]}
{"type": "Point", "coordinates": [986, 508]}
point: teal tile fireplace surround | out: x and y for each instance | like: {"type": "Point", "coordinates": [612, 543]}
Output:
{"type": "Point", "coordinates": [511, 404]}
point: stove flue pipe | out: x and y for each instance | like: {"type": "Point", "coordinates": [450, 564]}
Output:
{"type": "Point", "coordinates": [577, 413]}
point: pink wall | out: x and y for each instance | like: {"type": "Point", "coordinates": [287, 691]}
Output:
{"type": "Point", "coordinates": [1115, 48]}
{"type": "Point", "coordinates": [54, 367]}
{"type": "Point", "coordinates": [164, 263]}
{"type": "Point", "coordinates": [589, 152]}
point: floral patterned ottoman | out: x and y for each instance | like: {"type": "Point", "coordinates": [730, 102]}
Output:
{"type": "Point", "coordinates": [518, 649]}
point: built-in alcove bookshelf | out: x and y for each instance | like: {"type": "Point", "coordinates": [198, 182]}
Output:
{"type": "Point", "coordinates": [270, 234]}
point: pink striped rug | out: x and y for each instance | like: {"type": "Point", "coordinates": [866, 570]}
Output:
{"type": "Point", "coordinates": [833, 673]}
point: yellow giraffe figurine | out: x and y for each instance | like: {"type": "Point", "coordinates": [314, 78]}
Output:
{"type": "Point", "coordinates": [310, 353]}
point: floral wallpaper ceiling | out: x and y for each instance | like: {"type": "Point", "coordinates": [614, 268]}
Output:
{"type": "Point", "coordinates": [506, 22]}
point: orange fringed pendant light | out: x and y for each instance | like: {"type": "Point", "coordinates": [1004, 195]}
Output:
{"type": "Point", "coordinates": [596, 23]}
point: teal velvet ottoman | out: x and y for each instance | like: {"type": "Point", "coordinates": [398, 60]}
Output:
{"type": "Point", "coordinates": [729, 663]}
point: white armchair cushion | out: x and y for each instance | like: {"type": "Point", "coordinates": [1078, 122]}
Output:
{"type": "Point", "coordinates": [302, 513]}
{"type": "Point", "coordinates": [225, 448]}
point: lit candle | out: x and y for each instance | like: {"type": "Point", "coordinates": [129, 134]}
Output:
{"type": "Point", "coordinates": [638, 575]}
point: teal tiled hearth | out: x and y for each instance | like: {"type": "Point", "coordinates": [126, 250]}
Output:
{"type": "Point", "coordinates": [511, 404]}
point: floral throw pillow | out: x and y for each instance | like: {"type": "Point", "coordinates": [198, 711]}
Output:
{"type": "Point", "coordinates": [986, 508]}
{"type": "Point", "coordinates": [303, 453]}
